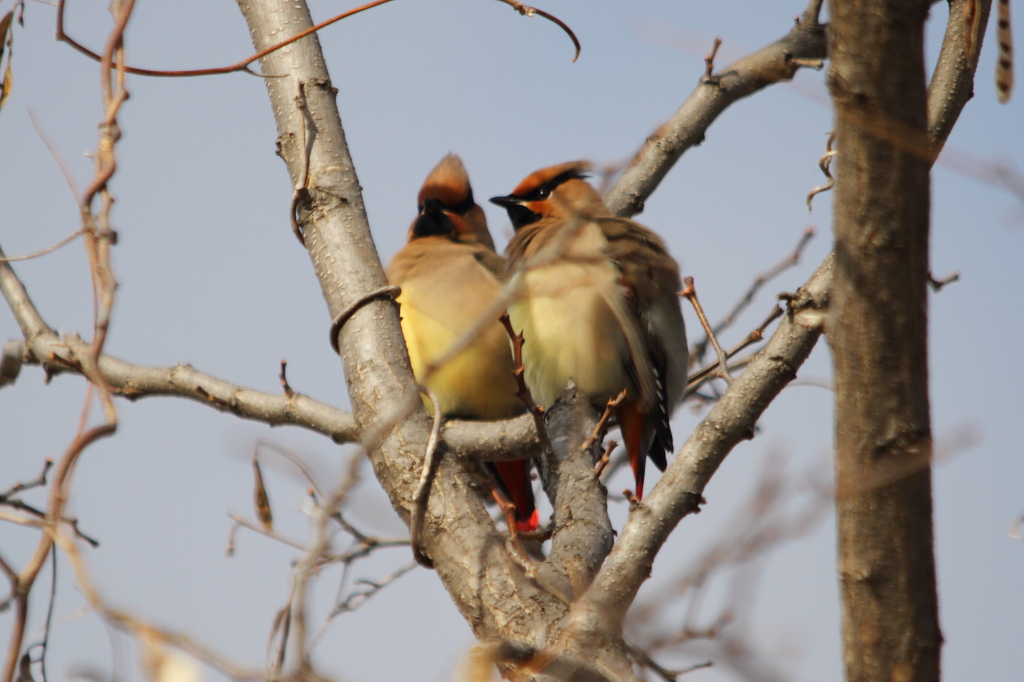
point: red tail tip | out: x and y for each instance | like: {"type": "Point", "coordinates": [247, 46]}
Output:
{"type": "Point", "coordinates": [530, 524]}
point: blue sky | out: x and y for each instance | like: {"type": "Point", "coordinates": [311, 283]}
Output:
{"type": "Point", "coordinates": [211, 275]}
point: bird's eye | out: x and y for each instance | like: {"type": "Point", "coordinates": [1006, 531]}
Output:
{"type": "Point", "coordinates": [543, 192]}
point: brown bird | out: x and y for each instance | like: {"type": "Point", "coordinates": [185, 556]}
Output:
{"type": "Point", "coordinates": [599, 305]}
{"type": "Point", "coordinates": [449, 274]}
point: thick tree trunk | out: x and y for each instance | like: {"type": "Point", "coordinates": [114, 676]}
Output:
{"type": "Point", "coordinates": [877, 327]}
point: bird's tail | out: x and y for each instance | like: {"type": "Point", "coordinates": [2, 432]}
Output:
{"type": "Point", "coordinates": [515, 478]}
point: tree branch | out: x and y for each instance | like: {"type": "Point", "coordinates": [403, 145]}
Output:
{"type": "Point", "coordinates": [878, 324]}
{"type": "Point", "coordinates": [952, 83]}
{"type": "Point", "coordinates": [488, 587]}
{"type": "Point", "coordinates": [582, 533]}
{"type": "Point", "coordinates": [804, 45]}
{"type": "Point", "coordinates": [679, 491]}
{"type": "Point", "coordinates": [25, 312]}
{"type": "Point", "coordinates": [515, 439]}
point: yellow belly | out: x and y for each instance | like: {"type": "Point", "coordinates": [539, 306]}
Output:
{"type": "Point", "coordinates": [476, 383]}
{"type": "Point", "coordinates": [570, 332]}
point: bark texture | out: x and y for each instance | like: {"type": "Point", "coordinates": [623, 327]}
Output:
{"type": "Point", "coordinates": [878, 335]}
{"type": "Point", "coordinates": [521, 606]}
{"type": "Point", "coordinates": [877, 327]}
{"type": "Point", "coordinates": [487, 586]}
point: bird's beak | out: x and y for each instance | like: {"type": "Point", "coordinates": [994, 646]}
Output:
{"type": "Point", "coordinates": [432, 220]}
{"type": "Point", "coordinates": [506, 202]}
{"type": "Point", "coordinates": [432, 207]}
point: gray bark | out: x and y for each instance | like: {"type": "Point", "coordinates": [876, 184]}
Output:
{"type": "Point", "coordinates": [889, 130]}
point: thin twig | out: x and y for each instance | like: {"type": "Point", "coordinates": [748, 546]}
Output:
{"type": "Point", "coordinates": [689, 292]}
{"type": "Point", "coordinates": [42, 252]}
{"type": "Point", "coordinates": [804, 45]}
{"type": "Point", "coordinates": [507, 506]}
{"type": "Point", "coordinates": [825, 164]}
{"type": "Point", "coordinates": [136, 627]}
{"type": "Point", "coordinates": [601, 427]}
{"type": "Point", "coordinates": [239, 522]}
{"type": "Point", "coordinates": [695, 380]}
{"type": "Point", "coordinates": [709, 60]}
{"type": "Point", "coordinates": [282, 622]}
{"type": "Point", "coordinates": [644, 660]}
{"type": "Point", "coordinates": [605, 458]}
{"type": "Point", "coordinates": [44, 645]}
{"type": "Point", "coordinates": [523, 391]}
{"type": "Point", "coordinates": [242, 65]}
{"type": "Point", "coordinates": [356, 599]}
{"type": "Point", "coordinates": [699, 348]}
{"type": "Point", "coordinates": [528, 11]}
{"type": "Point", "coordinates": [293, 459]}
{"type": "Point", "coordinates": [937, 284]}
{"type": "Point", "coordinates": [57, 498]}
{"type": "Point", "coordinates": [389, 291]}
{"type": "Point", "coordinates": [38, 482]}
{"type": "Point", "coordinates": [284, 379]}
{"type": "Point", "coordinates": [419, 501]}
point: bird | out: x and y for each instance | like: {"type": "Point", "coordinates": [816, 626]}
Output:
{"type": "Point", "coordinates": [449, 273]}
{"type": "Point", "coordinates": [599, 305]}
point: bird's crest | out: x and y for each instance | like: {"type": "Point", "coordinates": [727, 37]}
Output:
{"type": "Point", "coordinates": [539, 184]}
{"type": "Point", "coordinates": [449, 184]}
{"type": "Point", "coordinates": [446, 207]}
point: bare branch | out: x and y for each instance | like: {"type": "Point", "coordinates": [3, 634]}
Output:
{"type": "Point", "coordinates": [937, 284]}
{"type": "Point", "coordinates": [597, 435]}
{"type": "Point", "coordinates": [582, 532]}
{"type": "Point", "coordinates": [698, 378]}
{"type": "Point", "coordinates": [430, 461]}
{"type": "Point", "coordinates": [25, 312]}
{"type": "Point", "coordinates": [38, 482]}
{"type": "Point", "coordinates": [458, 532]}
{"type": "Point", "coordinates": [359, 597]}
{"type": "Point", "coordinates": [56, 499]}
{"type": "Point", "coordinates": [477, 441]}
{"type": "Point", "coordinates": [678, 493]}
{"type": "Point", "coordinates": [528, 11]}
{"type": "Point", "coordinates": [709, 60]}
{"type": "Point", "coordinates": [242, 65]}
{"type": "Point", "coordinates": [825, 164]}
{"type": "Point", "coordinates": [803, 46]}
{"type": "Point", "coordinates": [523, 392]}
{"type": "Point", "coordinates": [689, 292]}
{"type": "Point", "coordinates": [137, 627]}
{"type": "Point", "coordinates": [952, 83]}
{"type": "Point", "coordinates": [184, 381]}
{"type": "Point", "coordinates": [699, 348]}
{"type": "Point", "coordinates": [49, 249]}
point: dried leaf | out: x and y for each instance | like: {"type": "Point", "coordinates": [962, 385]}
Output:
{"type": "Point", "coordinates": [6, 42]}
{"type": "Point", "coordinates": [5, 28]}
{"type": "Point", "coordinates": [25, 669]}
{"type": "Point", "coordinates": [261, 500]}
{"type": "Point", "coordinates": [5, 88]}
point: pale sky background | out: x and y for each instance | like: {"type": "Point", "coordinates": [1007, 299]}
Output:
{"type": "Point", "coordinates": [211, 275]}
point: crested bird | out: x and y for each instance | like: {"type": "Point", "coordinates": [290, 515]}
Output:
{"type": "Point", "coordinates": [599, 305]}
{"type": "Point", "coordinates": [449, 274]}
